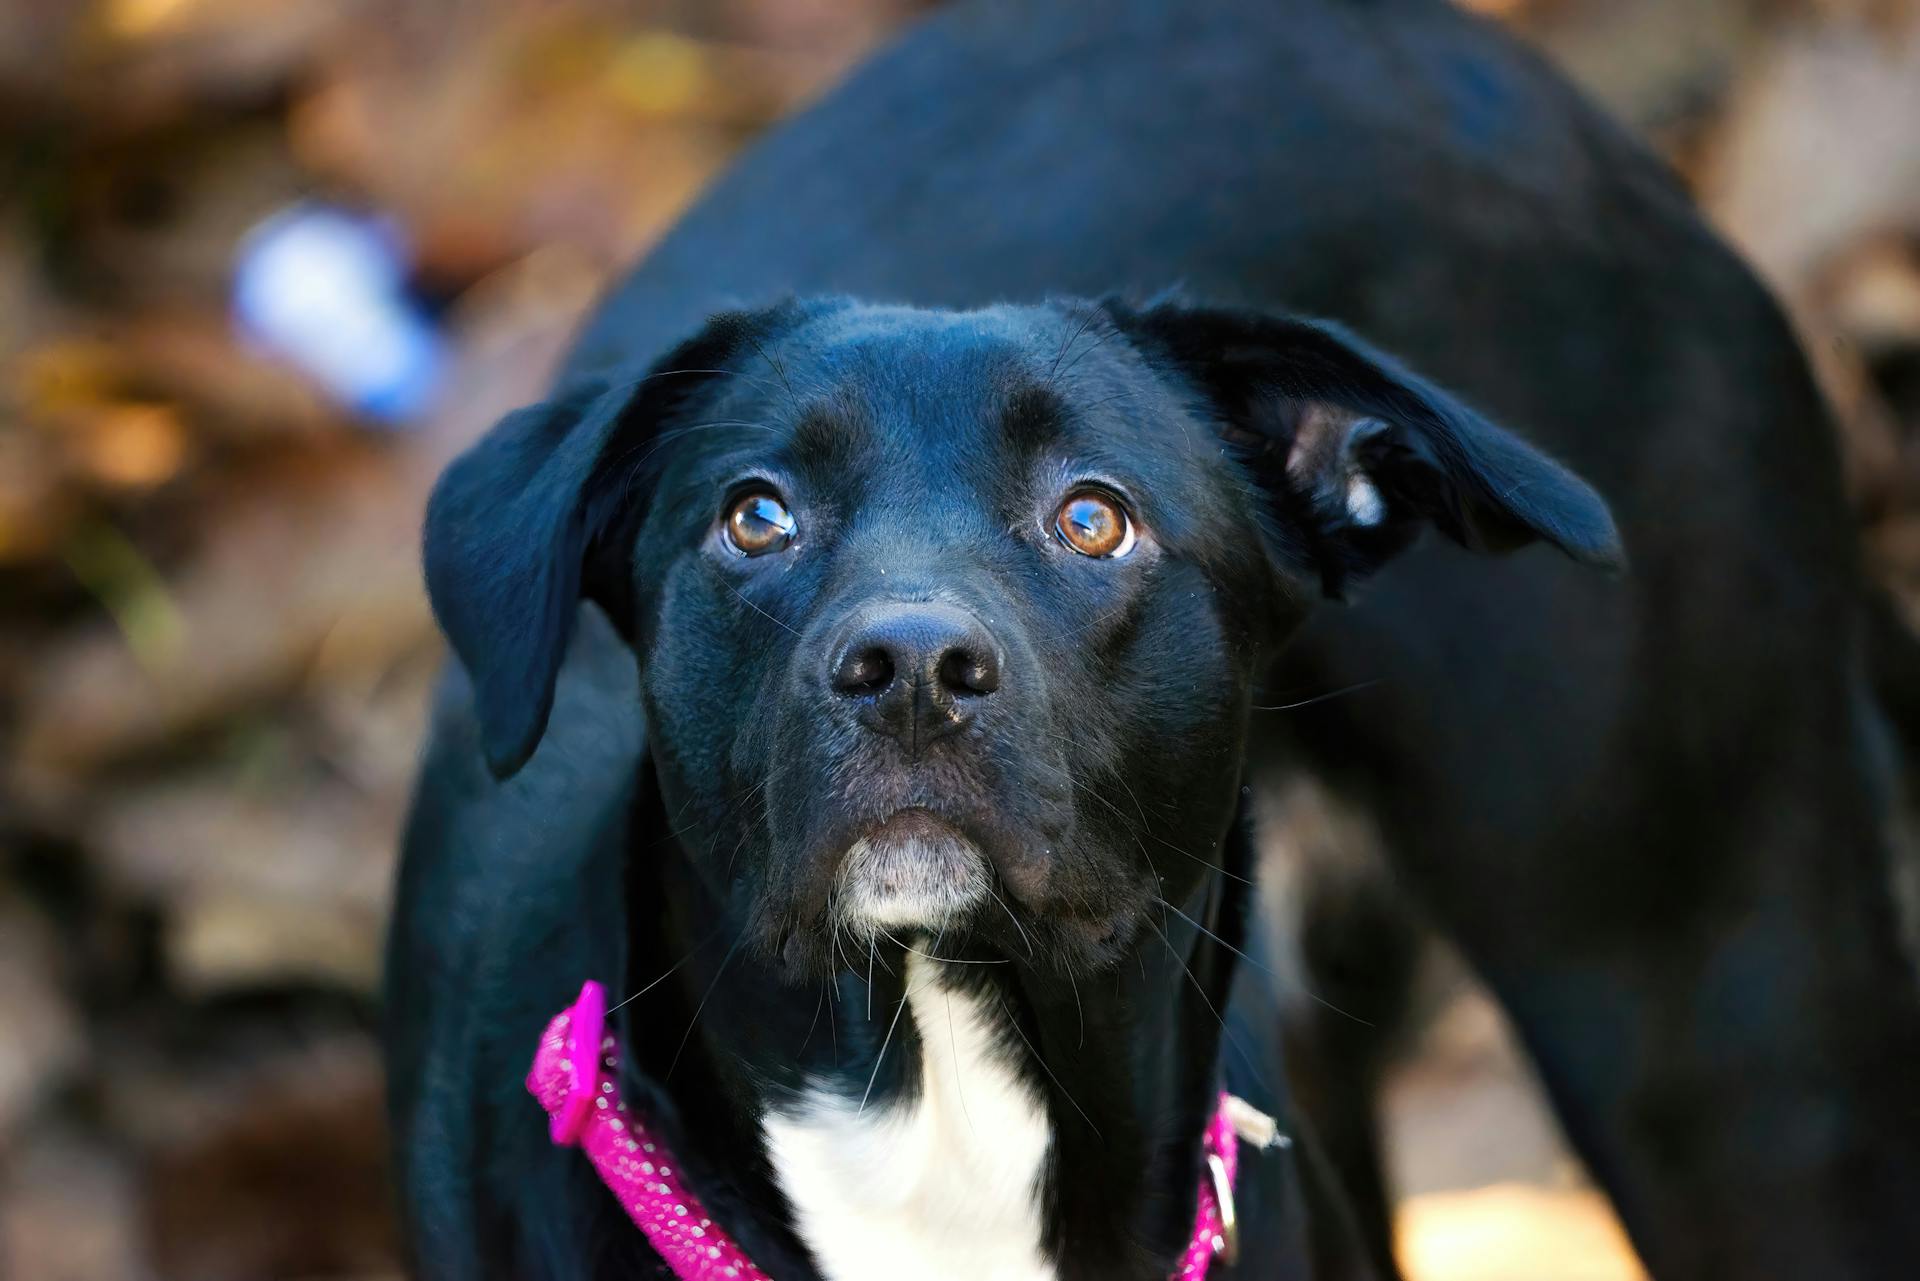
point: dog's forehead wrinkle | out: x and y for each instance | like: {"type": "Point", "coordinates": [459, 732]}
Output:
{"type": "Point", "coordinates": [865, 322]}
{"type": "Point", "coordinates": [885, 403]}
{"type": "Point", "coordinates": [917, 351]}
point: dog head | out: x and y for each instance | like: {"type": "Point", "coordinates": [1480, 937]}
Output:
{"type": "Point", "coordinates": [948, 622]}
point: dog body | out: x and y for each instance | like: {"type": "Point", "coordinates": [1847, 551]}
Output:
{"type": "Point", "coordinates": [921, 836]}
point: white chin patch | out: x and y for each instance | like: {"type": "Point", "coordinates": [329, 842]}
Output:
{"type": "Point", "coordinates": [911, 873]}
{"type": "Point", "coordinates": [1364, 505]}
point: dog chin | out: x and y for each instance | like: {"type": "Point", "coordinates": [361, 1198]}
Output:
{"type": "Point", "coordinates": [912, 872]}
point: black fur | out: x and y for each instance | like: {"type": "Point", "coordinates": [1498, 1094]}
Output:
{"type": "Point", "coordinates": [1650, 809]}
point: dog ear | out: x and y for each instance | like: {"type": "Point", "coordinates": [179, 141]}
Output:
{"type": "Point", "coordinates": [538, 515]}
{"type": "Point", "coordinates": [1360, 452]}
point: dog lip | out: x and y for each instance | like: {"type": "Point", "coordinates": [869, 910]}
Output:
{"type": "Point", "coordinates": [914, 823]}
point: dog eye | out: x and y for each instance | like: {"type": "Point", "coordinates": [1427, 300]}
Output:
{"type": "Point", "coordinates": [1094, 524]}
{"type": "Point", "coordinates": [759, 523]}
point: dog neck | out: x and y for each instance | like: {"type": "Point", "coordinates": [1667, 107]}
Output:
{"type": "Point", "coordinates": [1052, 1121]}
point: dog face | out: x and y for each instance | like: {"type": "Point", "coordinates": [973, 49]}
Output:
{"type": "Point", "coordinates": [937, 638]}
{"type": "Point", "coordinates": [948, 621]}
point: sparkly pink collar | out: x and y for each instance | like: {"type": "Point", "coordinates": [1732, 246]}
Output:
{"type": "Point", "coordinates": [573, 1076]}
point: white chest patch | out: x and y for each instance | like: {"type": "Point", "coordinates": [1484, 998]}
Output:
{"type": "Point", "coordinates": [945, 1188]}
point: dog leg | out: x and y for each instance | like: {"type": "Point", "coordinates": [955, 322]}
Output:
{"type": "Point", "coordinates": [1354, 949]}
{"type": "Point", "coordinates": [1742, 1078]}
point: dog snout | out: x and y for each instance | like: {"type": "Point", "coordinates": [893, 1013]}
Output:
{"type": "Point", "coordinates": [918, 670]}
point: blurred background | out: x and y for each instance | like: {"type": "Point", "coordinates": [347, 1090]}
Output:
{"type": "Point", "coordinates": [266, 264]}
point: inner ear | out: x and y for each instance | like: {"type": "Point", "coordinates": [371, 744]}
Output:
{"type": "Point", "coordinates": [1351, 491]}
{"type": "Point", "coordinates": [1334, 458]}
{"type": "Point", "coordinates": [1360, 453]}
{"type": "Point", "coordinates": [1362, 488]}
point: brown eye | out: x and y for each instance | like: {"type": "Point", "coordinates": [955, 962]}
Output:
{"type": "Point", "coordinates": [1094, 524]}
{"type": "Point", "coordinates": [759, 523]}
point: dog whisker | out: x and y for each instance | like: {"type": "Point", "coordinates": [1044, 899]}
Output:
{"type": "Point", "coordinates": [1159, 929]}
{"type": "Point", "coordinates": [1108, 400]}
{"type": "Point", "coordinates": [885, 1041]}
{"type": "Point", "coordinates": [746, 798]}
{"type": "Point", "coordinates": [735, 854]}
{"type": "Point", "coordinates": [1186, 969]}
{"type": "Point", "coordinates": [815, 1023]}
{"type": "Point", "coordinates": [839, 940]}
{"type": "Point", "coordinates": [1112, 333]}
{"type": "Point", "coordinates": [957, 960]}
{"type": "Point", "coordinates": [633, 466]}
{"type": "Point", "coordinates": [1072, 338]}
{"type": "Point", "coordinates": [1231, 875]}
{"type": "Point", "coordinates": [668, 973]}
{"type": "Point", "coordinates": [778, 369]}
{"type": "Point", "coordinates": [955, 1041]}
{"type": "Point", "coordinates": [688, 1034]}
{"type": "Point", "coordinates": [756, 609]}
{"type": "Point", "coordinates": [1215, 937]}
{"type": "Point", "coordinates": [833, 1024]}
{"type": "Point", "coordinates": [1137, 808]}
{"type": "Point", "coordinates": [672, 373]}
{"type": "Point", "coordinates": [1014, 1023]}
{"type": "Point", "coordinates": [1016, 921]}
{"type": "Point", "coordinates": [1098, 619]}
{"type": "Point", "coordinates": [1317, 698]}
{"type": "Point", "coordinates": [1147, 826]}
{"type": "Point", "coordinates": [1154, 836]}
{"type": "Point", "coordinates": [1306, 991]}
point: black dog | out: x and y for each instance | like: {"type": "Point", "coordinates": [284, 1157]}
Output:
{"type": "Point", "coordinates": [950, 624]}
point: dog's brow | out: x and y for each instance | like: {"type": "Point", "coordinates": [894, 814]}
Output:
{"type": "Point", "coordinates": [827, 434]}
{"type": "Point", "coordinates": [1033, 418]}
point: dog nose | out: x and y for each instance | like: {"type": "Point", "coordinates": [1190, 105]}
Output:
{"type": "Point", "coordinates": [919, 669]}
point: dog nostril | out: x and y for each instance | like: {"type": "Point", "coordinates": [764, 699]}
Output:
{"type": "Point", "coordinates": [915, 669]}
{"type": "Point", "coordinates": [968, 671]}
{"type": "Point", "coordinates": [863, 671]}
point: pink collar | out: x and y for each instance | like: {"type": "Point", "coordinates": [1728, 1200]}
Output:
{"type": "Point", "coordinates": [573, 1076]}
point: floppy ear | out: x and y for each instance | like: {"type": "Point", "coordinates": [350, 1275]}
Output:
{"type": "Point", "coordinates": [537, 515]}
{"type": "Point", "coordinates": [1358, 451]}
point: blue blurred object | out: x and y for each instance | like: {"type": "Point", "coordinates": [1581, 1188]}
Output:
{"type": "Point", "coordinates": [326, 289]}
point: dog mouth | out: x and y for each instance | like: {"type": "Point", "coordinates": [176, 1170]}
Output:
{"type": "Point", "coordinates": [913, 870]}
